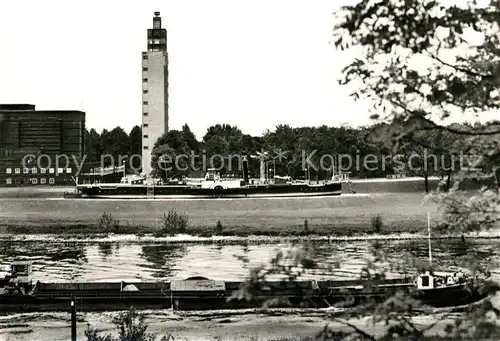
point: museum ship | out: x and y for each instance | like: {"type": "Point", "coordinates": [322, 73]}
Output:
{"type": "Point", "coordinates": [212, 186]}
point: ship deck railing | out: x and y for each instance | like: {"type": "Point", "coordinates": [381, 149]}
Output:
{"type": "Point", "coordinates": [105, 170]}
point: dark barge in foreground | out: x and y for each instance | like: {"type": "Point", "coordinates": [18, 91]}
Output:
{"type": "Point", "coordinates": [17, 293]}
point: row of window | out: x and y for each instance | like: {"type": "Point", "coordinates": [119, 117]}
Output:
{"type": "Point", "coordinates": [34, 181]}
{"type": "Point", "coordinates": [145, 80]}
{"type": "Point", "coordinates": [144, 91]}
{"type": "Point", "coordinates": [35, 170]}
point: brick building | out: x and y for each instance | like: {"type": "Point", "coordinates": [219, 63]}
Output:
{"type": "Point", "coordinates": [39, 147]}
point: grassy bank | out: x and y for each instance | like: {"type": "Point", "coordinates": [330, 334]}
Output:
{"type": "Point", "coordinates": [336, 216]}
{"type": "Point", "coordinates": [38, 192]}
{"type": "Point", "coordinates": [240, 231]}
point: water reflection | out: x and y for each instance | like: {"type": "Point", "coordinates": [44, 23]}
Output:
{"type": "Point", "coordinates": [163, 258]}
{"type": "Point", "coordinates": [139, 262]}
{"type": "Point", "coordinates": [48, 258]}
{"type": "Point", "coordinates": [106, 249]}
{"type": "Point", "coordinates": [46, 251]}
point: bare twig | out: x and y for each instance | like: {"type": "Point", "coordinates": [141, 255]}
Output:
{"type": "Point", "coordinates": [434, 126]}
{"type": "Point", "coordinates": [461, 69]}
{"type": "Point", "coordinates": [356, 329]}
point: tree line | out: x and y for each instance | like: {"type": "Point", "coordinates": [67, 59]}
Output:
{"type": "Point", "coordinates": [115, 142]}
{"type": "Point", "coordinates": [312, 152]}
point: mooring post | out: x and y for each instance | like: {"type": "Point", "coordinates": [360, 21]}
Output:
{"type": "Point", "coordinates": [171, 300]}
{"type": "Point", "coordinates": [73, 318]}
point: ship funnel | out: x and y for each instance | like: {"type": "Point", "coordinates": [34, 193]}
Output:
{"type": "Point", "coordinates": [262, 170]}
{"type": "Point", "coordinates": [245, 169]}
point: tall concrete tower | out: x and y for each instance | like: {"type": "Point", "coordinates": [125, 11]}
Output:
{"type": "Point", "coordinates": [154, 90]}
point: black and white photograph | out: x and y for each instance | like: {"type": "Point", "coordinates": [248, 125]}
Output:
{"type": "Point", "coordinates": [230, 170]}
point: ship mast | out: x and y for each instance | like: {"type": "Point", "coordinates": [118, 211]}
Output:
{"type": "Point", "coordinates": [262, 156]}
{"type": "Point", "coordinates": [429, 237]}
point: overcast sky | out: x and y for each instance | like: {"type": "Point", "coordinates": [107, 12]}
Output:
{"type": "Point", "coordinates": [254, 63]}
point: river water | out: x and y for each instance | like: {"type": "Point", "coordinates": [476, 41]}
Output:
{"type": "Point", "coordinates": [77, 261]}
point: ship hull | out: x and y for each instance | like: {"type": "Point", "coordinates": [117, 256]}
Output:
{"type": "Point", "coordinates": [123, 191]}
{"type": "Point", "coordinates": [109, 296]}
{"type": "Point", "coordinates": [456, 295]}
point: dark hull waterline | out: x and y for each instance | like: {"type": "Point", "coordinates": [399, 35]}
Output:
{"type": "Point", "coordinates": [124, 191]}
{"type": "Point", "coordinates": [107, 297]}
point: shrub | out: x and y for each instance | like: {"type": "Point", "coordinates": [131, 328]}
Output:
{"type": "Point", "coordinates": [377, 223]}
{"type": "Point", "coordinates": [174, 222]}
{"type": "Point", "coordinates": [218, 228]}
{"type": "Point", "coordinates": [107, 223]}
{"type": "Point", "coordinates": [93, 335]}
{"type": "Point", "coordinates": [131, 327]}
{"type": "Point", "coordinates": [306, 227]}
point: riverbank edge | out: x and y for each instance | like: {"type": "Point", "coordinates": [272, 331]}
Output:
{"type": "Point", "coordinates": [348, 228]}
{"type": "Point", "coordinates": [252, 239]}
